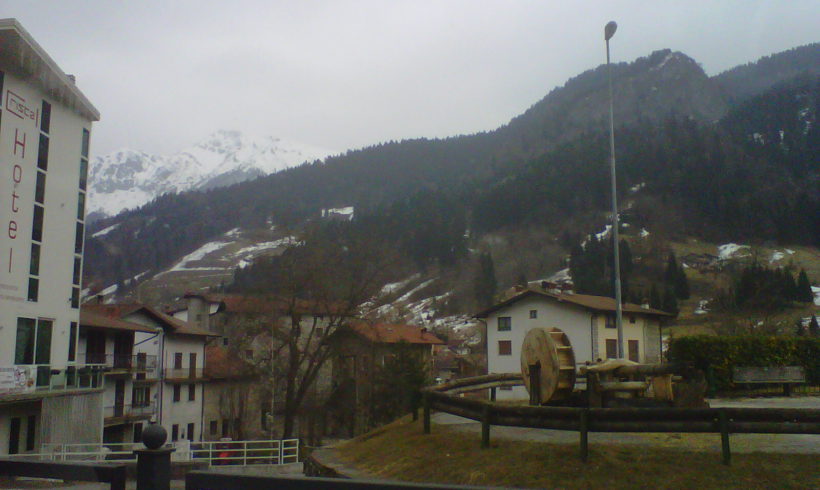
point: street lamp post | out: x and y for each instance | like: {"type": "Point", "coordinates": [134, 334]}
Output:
{"type": "Point", "coordinates": [609, 31]}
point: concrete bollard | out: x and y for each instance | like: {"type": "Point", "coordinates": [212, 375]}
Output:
{"type": "Point", "coordinates": [154, 463]}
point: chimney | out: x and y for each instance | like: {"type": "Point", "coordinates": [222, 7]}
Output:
{"type": "Point", "coordinates": [72, 78]}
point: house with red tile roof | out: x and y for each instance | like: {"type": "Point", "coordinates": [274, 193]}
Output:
{"type": "Point", "coordinates": [179, 348]}
{"type": "Point", "coordinates": [359, 350]}
{"type": "Point", "coordinates": [588, 321]}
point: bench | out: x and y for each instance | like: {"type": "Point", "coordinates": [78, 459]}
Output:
{"type": "Point", "coordinates": [785, 375]}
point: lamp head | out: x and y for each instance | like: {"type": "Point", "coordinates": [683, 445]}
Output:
{"type": "Point", "coordinates": [609, 30]}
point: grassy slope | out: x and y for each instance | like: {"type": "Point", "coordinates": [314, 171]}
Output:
{"type": "Point", "coordinates": [401, 452]}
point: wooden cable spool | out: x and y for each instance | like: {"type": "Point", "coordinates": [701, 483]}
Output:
{"type": "Point", "coordinates": [548, 362]}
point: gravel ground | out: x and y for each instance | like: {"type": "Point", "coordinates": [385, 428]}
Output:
{"type": "Point", "coordinates": [741, 443]}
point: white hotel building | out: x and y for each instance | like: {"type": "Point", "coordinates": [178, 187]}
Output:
{"type": "Point", "coordinates": [47, 393]}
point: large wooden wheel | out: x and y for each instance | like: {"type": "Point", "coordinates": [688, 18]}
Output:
{"type": "Point", "coordinates": [548, 365]}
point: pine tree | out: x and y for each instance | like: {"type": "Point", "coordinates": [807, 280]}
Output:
{"type": "Point", "coordinates": [655, 298]}
{"type": "Point", "coordinates": [670, 275]}
{"type": "Point", "coordinates": [485, 283]}
{"type": "Point", "coordinates": [670, 302]}
{"type": "Point", "coordinates": [804, 292]}
{"type": "Point", "coordinates": [681, 284]}
{"type": "Point", "coordinates": [814, 327]}
{"type": "Point", "coordinates": [799, 330]}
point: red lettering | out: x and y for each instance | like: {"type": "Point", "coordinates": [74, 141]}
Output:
{"type": "Point", "coordinates": [12, 231]}
{"type": "Point", "coordinates": [17, 174]}
{"type": "Point", "coordinates": [10, 251]}
{"type": "Point", "coordinates": [19, 143]}
{"type": "Point", "coordinates": [14, 197]}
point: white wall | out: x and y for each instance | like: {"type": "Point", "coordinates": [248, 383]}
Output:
{"type": "Point", "coordinates": [571, 319]}
{"type": "Point", "coordinates": [60, 218]}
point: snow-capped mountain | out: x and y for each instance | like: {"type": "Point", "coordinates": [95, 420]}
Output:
{"type": "Point", "coordinates": [127, 178]}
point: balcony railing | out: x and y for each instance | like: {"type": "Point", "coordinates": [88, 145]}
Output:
{"type": "Point", "coordinates": [130, 410]}
{"type": "Point", "coordinates": [138, 362]}
{"type": "Point", "coordinates": [184, 373]}
{"type": "Point", "coordinates": [34, 378]}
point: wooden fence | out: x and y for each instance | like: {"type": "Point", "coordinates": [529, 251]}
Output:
{"type": "Point", "coordinates": [725, 421]}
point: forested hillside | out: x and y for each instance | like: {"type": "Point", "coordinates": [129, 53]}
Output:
{"type": "Point", "coordinates": [751, 176]}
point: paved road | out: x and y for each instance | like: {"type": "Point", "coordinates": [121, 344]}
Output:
{"type": "Point", "coordinates": [741, 443]}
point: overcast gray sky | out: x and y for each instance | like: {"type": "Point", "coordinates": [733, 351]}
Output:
{"type": "Point", "coordinates": [345, 74]}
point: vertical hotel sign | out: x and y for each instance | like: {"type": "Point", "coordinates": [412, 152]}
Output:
{"type": "Point", "coordinates": [19, 136]}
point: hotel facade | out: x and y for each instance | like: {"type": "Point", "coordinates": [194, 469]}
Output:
{"type": "Point", "coordinates": [48, 393]}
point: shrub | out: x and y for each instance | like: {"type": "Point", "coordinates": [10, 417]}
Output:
{"type": "Point", "coordinates": [722, 353]}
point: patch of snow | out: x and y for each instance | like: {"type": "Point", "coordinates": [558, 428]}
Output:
{"type": "Point", "coordinates": [789, 251]}
{"type": "Point", "coordinates": [197, 254]}
{"type": "Point", "coordinates": [702, 307]}
{"type": "Point", "coordinates": [776, 256]}
{"type": "Point", "coordinates": [560, 276]}
{"type": "Point", "coordinates": [816, 291]}
{"type": "Point", "coordinates": [345, 212]}
{"type": "Point", "coordinates": [282, 242]}
{"type": "Point", "coordinates": [644, 233]}
{"type": "Point", "coordinates": [729, 250]}
{"type": "Point", "coordinates": [395, 286]}
{"type": "Point", "coordinates": [406, 296]}
{"type": "Point", "coordinates": [604, 233]}
{"type": "Point", "coordinates": [635, 188]}
{"type": "Point", "coordinates": [105, 231]}
{"type": "Point", "coordinates": [758, 138]}
{"type": "Point", "coordinates": [232, 233]}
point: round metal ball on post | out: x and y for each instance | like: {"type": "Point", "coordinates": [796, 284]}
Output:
{"type": "Point", "coordinates": [154, 462]}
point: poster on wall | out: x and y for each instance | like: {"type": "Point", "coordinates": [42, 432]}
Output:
{"type": "Point", "coordinates": [16, 379]}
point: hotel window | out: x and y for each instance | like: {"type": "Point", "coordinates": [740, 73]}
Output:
{"type": "Point", "coordinates": [31, 434]}
{"type": "Point", "coordinates": [42, 154]}
{"type": "Point", "coordinates": [81, 206]}
{"type": "Point", "coordinates": [40, 188]}
{"type": "Point", "coordinates": [214, 427]}
{"type": "Point", "coordinates": [610, 321]}
{"type": "Point", "coordinates": [174, 432]}
{"type": "Point", "coordinates": [504, 347]}
{"type": "Point", "coordinates": [177, 392]}
{"type": "Point", "coordinates": [533, 313]}
{"type": "Point", "coordinates": [226, 428]}
{"type": "Point", "coordinates": [178, 360]}
{"type": "Point", "coordinates": [75, 297]}
{"type": "Point", "coordinates": [45, 117]}
{"type": "Point", "coordinates": [33, 343]}
{"type": "Point", "coordinates": [504, 323]}
{"type": "Point", "coordinates": [78, 238]}
{"type": "Point", "coordinates": [137, 432]}
{"type": "Point", "coordinates": [631, 318]}
{"type": "Point", "coordinates": [83, 173]}
{"type": "Point", "coordinates": [191, 432]}
{"type": "Point", "coordinates": [191, 393]}
{"type": "Point", "coordinates": [77, 274]}
{"type": "Point", "coordinates": [37, 229]}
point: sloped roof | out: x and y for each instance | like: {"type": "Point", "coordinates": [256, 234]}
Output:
{"type": "Point", "coordinates": [29, 60]}
{"type": "Point", "coordinates": [119, 311]}
{"type": "Point", "coordinates": [394, 333]}
{"type": "Point", "coordinates": [90, 319]}
{"type": "Point", "coordinates": [251, 304]}
{"type": "Point", "coordinates": [590, 302]}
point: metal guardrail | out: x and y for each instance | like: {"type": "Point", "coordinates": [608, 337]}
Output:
{"type": "Point", "coordinates": [114, 475]}
{"type": "Point", "coordinates": [215, 453]}
{"type": "Point", "coordinates": [130, 410]}
{"type": "Point", "coordinates": [136, 362]}
{"type": "Point", "coordinates": [724, 421]}
{"type": "Point", "coordinates": [184, 373]}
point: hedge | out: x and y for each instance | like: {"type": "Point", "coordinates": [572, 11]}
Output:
{"type": "Point", "coordinates": [722, 353]}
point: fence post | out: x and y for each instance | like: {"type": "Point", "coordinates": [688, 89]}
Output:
{"type": "Point", "coordinates": [485, 427]}
{"type": "Point", "coordinates": [426, 403]}
{"type": "Point", "coordinates": [723, 421]}
{"type": "Point", "coordinates": [583, 430]}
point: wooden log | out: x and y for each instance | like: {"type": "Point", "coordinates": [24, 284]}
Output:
{"type": "Point", "coordinates": [623, 386]}
{"type": "Point", "coordinates": [536, 423]}
{"type": "Point", "coordinates": [475, 381]}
